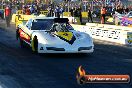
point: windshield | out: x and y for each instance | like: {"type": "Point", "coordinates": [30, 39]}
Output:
{"type": "Point", "coordinates": [62, 27]}
{"type": "Point", "coordinates": [42, 24]}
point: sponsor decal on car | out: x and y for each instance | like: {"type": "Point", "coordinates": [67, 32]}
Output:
{"type": "Point", "coordinates": [24, 36]}
{"type": "Point", "coordinates": [66, 36]}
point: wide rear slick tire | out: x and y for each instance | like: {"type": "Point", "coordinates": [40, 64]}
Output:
{"type": "Point", "coordinates": [35, 44]}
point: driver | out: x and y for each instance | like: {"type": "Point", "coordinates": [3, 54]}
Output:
{"type": "Point", "coordinates": [56, 27]}
{"type": "Point", "coordinates": [60, 27]}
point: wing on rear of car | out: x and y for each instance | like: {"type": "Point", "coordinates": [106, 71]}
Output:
{"type": "Point", "coordinates": [61, 20]}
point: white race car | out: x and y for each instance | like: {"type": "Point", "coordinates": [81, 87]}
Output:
{"type": "Point", "coordinates": [53, 35]}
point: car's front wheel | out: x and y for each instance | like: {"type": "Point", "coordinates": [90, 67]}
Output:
{"type": "Point", "coordinates": [34, 44]}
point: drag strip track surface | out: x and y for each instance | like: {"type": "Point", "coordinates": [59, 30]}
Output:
{"type": "Point", "coordinates": [20, 68]}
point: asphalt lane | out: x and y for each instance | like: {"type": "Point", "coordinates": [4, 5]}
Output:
{"type": "Point", "coordinates": [20, 68]}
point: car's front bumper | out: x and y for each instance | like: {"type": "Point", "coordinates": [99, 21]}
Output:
{"type": "Point", "coordinates": [67, 51]}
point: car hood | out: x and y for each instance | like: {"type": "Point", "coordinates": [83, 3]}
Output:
{"type": "Point", "coordinates": [61, 38]}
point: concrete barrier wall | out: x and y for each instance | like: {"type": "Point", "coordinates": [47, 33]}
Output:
{"type": "Point", "coordinates": [17, 19]}
{"type": "Point", "coordinates": [117, 34]}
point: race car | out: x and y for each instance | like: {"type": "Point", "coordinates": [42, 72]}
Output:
{"type": "Point", "coordinates": [53, 35]}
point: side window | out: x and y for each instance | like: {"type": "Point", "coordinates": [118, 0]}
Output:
{"type": "Point", "coordinates": [29, 24]}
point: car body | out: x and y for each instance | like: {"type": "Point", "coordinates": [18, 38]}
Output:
{"type": "Point", "coordinates": [53, 35]}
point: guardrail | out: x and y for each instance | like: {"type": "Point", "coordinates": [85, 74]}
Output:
{"type": "Point", "coordinates": [113, 33]}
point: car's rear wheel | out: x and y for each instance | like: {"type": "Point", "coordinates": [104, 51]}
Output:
{"type": "Point", "coordinates": [34, 44]}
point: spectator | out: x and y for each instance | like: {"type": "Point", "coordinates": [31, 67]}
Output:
{"type": "Point", "coordinates": [61, 11]}
{"type": "Point", "coordinates": [57, 12]}
{"type": "Point", "coordinates": [38, 10]}
{"type": "Point", "coordinates": [2, 14]}
{"type": "Point", "coordinates": [103, 13]}
{"type": "Point", "coordinates": [8, 15]}
{"type": "Point", "coordinates": [32, 9]}
{"type": "Point", "coordinates": [71, 11]}
{"type": "Point", "coordinates": [28, 11]}
{"type": "Point", "coordinates": [50, 12]}
{"type": "Point", "coordinates": [126, 10]}
{"type": "Point", "coordinates": [24, 9]}
{"type": "Point", "coordinates": [75, 12]}
{"type": "Point", "coordinates": [90, 15]}
{"type": "Point", "coordinates": [14, 10]}
{"type": "Point", "coordinates": [80, 14]}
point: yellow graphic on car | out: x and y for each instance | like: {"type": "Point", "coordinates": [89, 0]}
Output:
{"type": "Point", "coordinates": [66, 35]}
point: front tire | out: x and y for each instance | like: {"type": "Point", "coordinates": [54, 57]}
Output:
{"type": "Point", "coordinates": [34, 44]}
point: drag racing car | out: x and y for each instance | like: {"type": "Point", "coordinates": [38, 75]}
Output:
{"type": "Point", "coordinates": [53, 35]}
